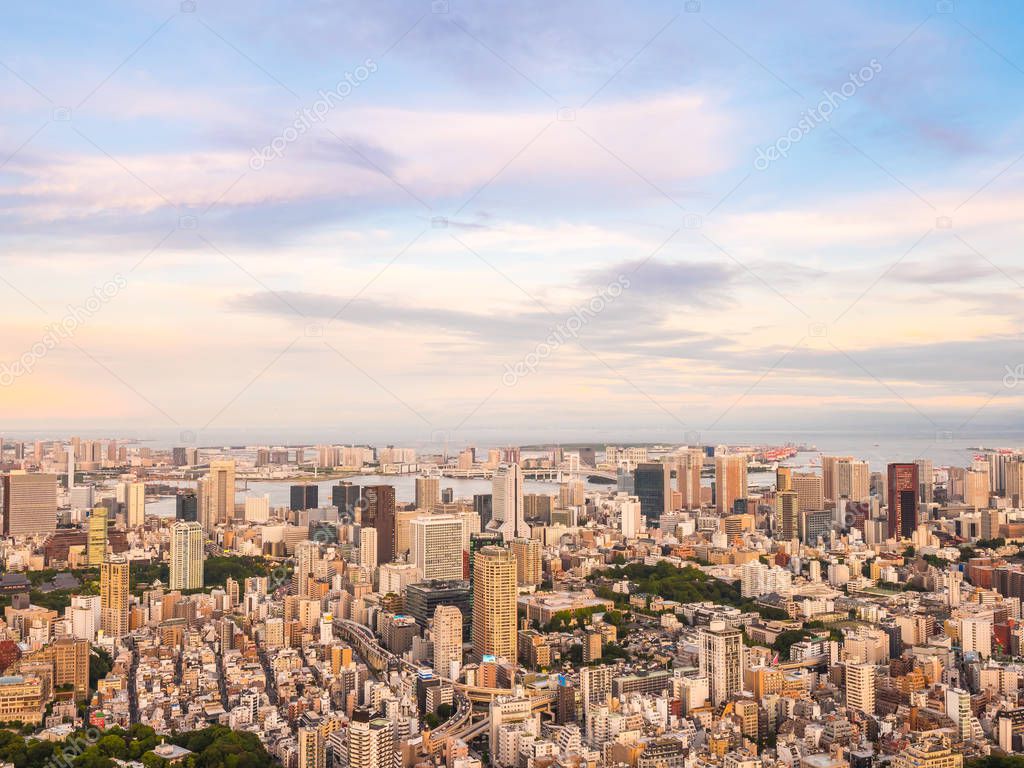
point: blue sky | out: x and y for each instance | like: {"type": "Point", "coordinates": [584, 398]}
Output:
{"type": "Point", "coordinates": [487, 170]}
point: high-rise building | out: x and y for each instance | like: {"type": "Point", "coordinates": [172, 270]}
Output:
{"type": "Point", "coordinates": [446, 631]}
{"type": "Point", "coordinates": [508, 515]}
{"type": "Point", "coordinates": [307, 555]}
{"type": "Point", "coordinates": [368, 549]}
{"type": "Point", "coordinates": [312, 747]}
{"type": "Point", "coordinates": [809, 489]}
{"type": "Point", "coordinates": [437, 546]}
{"type": "Point", "coordinates": [217, 494]}
{"type": "Point", "coordinates": [688, 467]}
{"type": "Point", "coordinates": [29, 504]}
{"type": "Point", "coordinates": [379, 512]}
{"type": "Point", "coordinates": [428, 492]}
{"type": "Point", "coordinates": [926, 481]}
{"type": "Point", "coordinates": [730, 481]}
{"type": "Point", "coordinates": [720, 654]}
{"type": "Point", "coordinates": [787, 514]}
{"type": "Point", "coordinates": [96, 540]}
{"type": "Point", "coordinates": [529, 565]}
{"type": "Point", "coordinates": [345, 497]}
{"type": "Point", "coordinates": [845, 477]}
{"type": "Point", "coordinates": [903, 494]}
{"type": "Point", "coordinates": [186, 506]}
{"type": "Point", "coordinates": [630, 518]}
{"type": "Point", "coordinates": [494, 603]}
{"type": "Point", "coordinates": [187, 556]}
{"type": "Point", "coordinates": [114, 597]}
{"type": "Point", "coordinates": [305, 496]}
{"type": "Point", "coordinates": [652, 484]}
{"type": "Point", "coordinates": [860, 687]}
{"type": "Point", "coordinates": [784, 479]}
{"type": "Point", "coordinates": [134, 504]}
{"type": "Point", "coordinates": [371, 741]}
{"type": "Point", "coordinates": [257, 508]}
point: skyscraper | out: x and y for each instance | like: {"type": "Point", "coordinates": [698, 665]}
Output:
{"type": "Point", "coordinates": [96, 541]}
{"type": "Point", "coordinates": [653, 486]}
{"type": "Point", "coordinates": [508, 515]}
{"type": "Point", "coordinates": [446, 631]}
{"type": "Point", "coordinates": [787, 514]}
{"type": "Point", "coordinates": [217, 494]}
{"type": "Point", "coordinates": [345, 497]}
{"type": "Point", "coordinates": [845, 477]}
{"type": "Point", "coordinates": [903, 494]}
{"type": "Point", "coordinates": [135, 504]}
{"type": "Point", "coordinates": [437, 546]}
{"type": "Point", "coordinates": [860, 687]}
{"type": "Point", "coordinates": [688, 466]}
{"type": "Point", "coordinates": [312, 748]}
{"type": "Point", "coordinates": [30, 504]}
{"type": "Point", "coordinates": [810, 489]}
{"type": "Point", "coordinates": [428, 492]}
{"type": "Point", "coordinates": [529, 565]}
{"type": "Point", "coordinates": [720, 653]}
{"type": "Point", "coordinates": [494, 603]}
{"type": "Point", "coordinates": [186, 506]}
{"type": "Point", "coordinates": [307, 555]}
{"type": "Point", "coordinates": [114, 597]}
{"type": "Point", "coordinates": [305, 496]}
{"type": "Point", "coordinates": [379, 513]}
{"type": "Point", "coordinates": [368, 549]}
{"type": "Point", "coordinates": [187, 556]}
{"type": "Point", "coordinates": [730, 482]}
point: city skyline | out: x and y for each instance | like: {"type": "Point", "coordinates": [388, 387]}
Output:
{"type": "Point", "coordinates": [532, 223]}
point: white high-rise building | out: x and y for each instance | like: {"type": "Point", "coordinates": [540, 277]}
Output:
{"type": "Point", "coordinates": [860, 687]}
{"type": "Point", "coordinates": [307, 553]}
{"type": "Point", "coordinates": [257, 509]}
{"type": "Point", "coordinates": [630, 518]}
{"type": "Point", "coordinates": [368, 549]}
{"type": "Point", "coordinates": [508, 515]}
{"type": "Point", "coordinates": [720, 652]}
{"type": "Point", "coordinates": [135, 504]}
{"type": "Point", "coordinates": [371, 741]}
{"type": "Point", "coordinates": [437, 546]}
{"type": "Point", "coordinates": [187, 555]}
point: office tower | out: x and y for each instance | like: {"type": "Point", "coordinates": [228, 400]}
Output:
{"type": "Point", "coordinates": [1013, 481]}
{"type": "Point", "coordinates": [257, 508]}
{"type": "Point", "coordinates": [507, 502]}
{"type": "Point", "coordinates": [186, 506]}
{"type": "Point", "coordinates": [96, 541]}
{"type": "Point", "coordinates": [179, 456]}
{"type": "Point", "coordinates": [630, 519]}
{"type": "Point", "coordinates": [428, 492]}
{"type": "Point", "coordinates": [307, 555]}
{"type": "Point", "coordinates": [730, 482]}
{"type": "Point", "coordinates": [423, 598]}
{"type": "Point", "coordinates": [379, 512]}
{"type": "Point", "coordinates": [312, 748]}
{"type": "Point", "coordinates": [114, 597]}
{"type": "Point", "coordinates": [529, 566]}
{"type": "Point", "coordinates": [958, 709]}
{"type": "Point", "coordinates": [82, 497]}
{"type": "Point", "coordinates": [437, 546]}
{"type": "Point", "coordinates": [304, 496]}
{"type": "Point", "coordinates": [29, 504]}
{"type": "Point", "coordinates": [446, 631]}
{"type": "Point", "coordinates": [447, 495]}
{"type": "Point", "coordinates": [653, 486]}
{"type": "Point", "coordinates": [845, 477]}
{"type": "Point", "coordinates": [860, 687]}
{"type": "Point", "coordinates": [787, 514]}
{"type": "Point", "coordinates": [134, 504]}
{"type": "Point", "coordinates": [903, 493]}
{"type": "Point", "coordinates": [371, 741]}
{"type": "Point", "coordinates": [925, 481]}
{"type": "Point", "coordinates": [720, 653]}
{"type": "Point", "coordinates": [494, 603]}
{"type": "Point", "coordinates": [482, 505]}
{"type": "Point", "coordinates": [368, 549]}
{"type": "Point", "coordinates": [977, 486]}
{"type": "Point", "coordinates": [217, 494]}
{"type": "Point", "coordinates": [688, 466]}
{"type": "Point", "coordinates": [784, 479]}
{"type": "Point", "coordinates": [809, 489]}
{"type": "Point", "coordinates": [187, 556]}
{"type": "Point", "coordinates": [345, 497]}
{"type": "Point", "coordinates": [815, 525]}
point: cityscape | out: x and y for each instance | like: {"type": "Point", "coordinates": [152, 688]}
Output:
{"type": "Point", "coordinates": [511, 384]}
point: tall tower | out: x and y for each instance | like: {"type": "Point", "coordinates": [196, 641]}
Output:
{"type": "Point", "coordinates": [217, 498]}
{"type": "Point", "coordinates": [860, 687]}
{"type": "Point", "coordinates": [96, 541]}
{"type": "Point", "coordinates": [903, 495]}
{"type": "Point", "coordinates": [447, 634]}
{"type": "Point", "coordinates": [368, 549]}
{"type": "Point", "coordinates": [312, 749]}
{"type": "Point", "coordinates": [688, 469]}
{"type": "Point", "coordinates": [114, 597]}
{"type": "Point", "coordinates": [29, 504]}
{"type": "Point", "coordinates": [507, 512]}
{"type": "Point", "coordinates": [307, 554]}
{"type": "Point", "coordinates": [371, 741]}
{"type": "Point", "coordinates": [187, 556]}
{"type": "Point", "coordinates": [787, 513]}
{"type": "Point", "coordinates": [494, 603]}
{"type": "Point", "coordinates": [730, 482]}
{"type": "Point", "coordinates": [379, 512]}
{"type": "Point", "coordinates": [720, 653]}
{"type": "Point", "coordinates": [437, 546]}
{"type": "Point", "coordinates": [528, 553]}
{"type": "Point", "coordinates": [652, 484]}
{"type": "Point", "coordinates": [135, 504]}
{"type": "Point", "coordinates": [428, 492]}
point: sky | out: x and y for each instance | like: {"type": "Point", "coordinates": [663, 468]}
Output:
{"type": "Point", "coordinates": [419, 221]}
